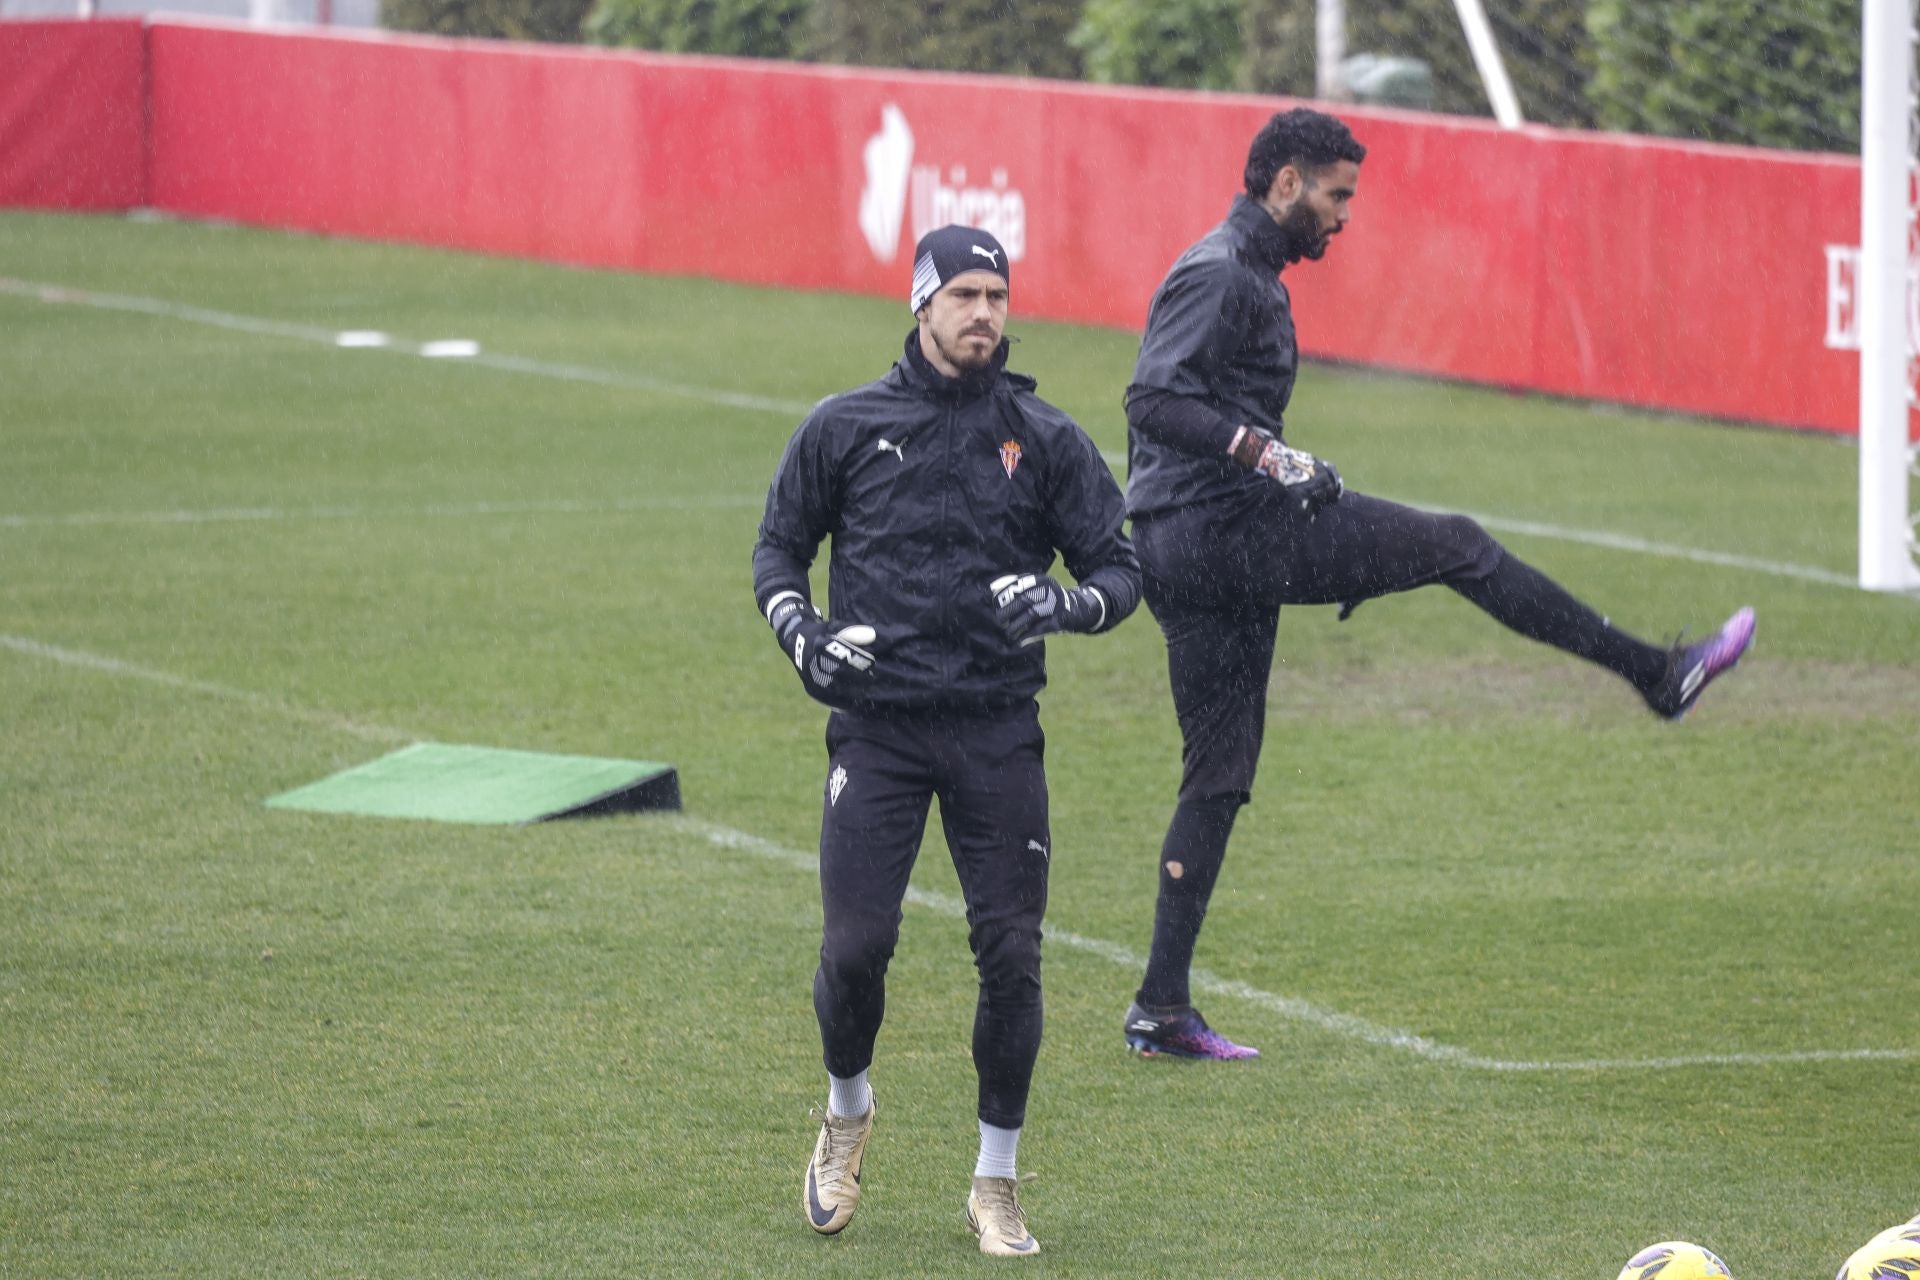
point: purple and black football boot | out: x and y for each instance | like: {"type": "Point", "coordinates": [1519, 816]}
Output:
{"type": "Point", "coordinates": [1691, 668]}
{"type": "Point", "coordinates": [1180, 1035]}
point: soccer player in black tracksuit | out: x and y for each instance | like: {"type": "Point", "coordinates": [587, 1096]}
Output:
{"type": "Point", "coordinates": [1230, 523]}
{"type": "Point", "coordinates": [946, 487]}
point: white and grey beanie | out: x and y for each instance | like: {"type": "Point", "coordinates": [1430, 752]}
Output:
{"type": "Point", "coordinates": [949, 251]}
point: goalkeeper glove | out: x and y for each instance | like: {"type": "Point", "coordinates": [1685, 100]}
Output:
{"type": "Point", "coordinates": [1030, 607]}
{"type": "Point", "coordinates": [820, 650]}
{"type": "Point", "coordinates": [1310, 482]}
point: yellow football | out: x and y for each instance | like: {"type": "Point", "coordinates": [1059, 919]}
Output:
{"type": "Point", "coordinates": [1675, 1260]}
{"type": "Point", "coordinates": [1894, 1254]}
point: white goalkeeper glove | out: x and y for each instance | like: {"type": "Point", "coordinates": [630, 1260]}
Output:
{"type": "Point", "coordinates": [820, 650]}
{"type": "Point", "coordinates": [1309, 481]}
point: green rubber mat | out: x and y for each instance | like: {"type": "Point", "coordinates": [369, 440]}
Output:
{"type": "Point", "coordinates": [442, 782]}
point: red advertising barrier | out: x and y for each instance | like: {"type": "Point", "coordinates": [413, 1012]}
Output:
{"type": "Point", "coordinates": [1697, 278]}
{"type": "Point", "coordinates": [487, 146]}
{"type": "Point", "coordinates": [73, 115]}
{"type": "Point", "coordinates": [1712, 280]}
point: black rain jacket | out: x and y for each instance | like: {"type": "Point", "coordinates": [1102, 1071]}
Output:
{"type": "Point", "coordinates": [1219, 352]}
{"type": "Point", "coordinates": [930, 488]}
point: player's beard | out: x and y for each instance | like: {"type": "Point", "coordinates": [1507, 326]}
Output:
{"type": "Point", "coordinates": [961, 357]}
{"type": "Point", "coordinates": [1305, 238]}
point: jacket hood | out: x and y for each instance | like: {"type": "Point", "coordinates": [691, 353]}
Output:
{"type": "Point", "coordinates": [1265, 237]}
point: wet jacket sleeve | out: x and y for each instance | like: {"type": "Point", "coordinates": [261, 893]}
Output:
{"type": "Point", "coordinates": [1178, 422]}
{"type": "Point", "coordinates": [1086, 510]}
{"type": "Point", "coordinates": [801, 505]}
{"type": "Point", "coordinates": [1198, 322]}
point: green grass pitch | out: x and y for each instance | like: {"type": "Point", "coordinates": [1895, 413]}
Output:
{"type": "Point", "coordinates": [1630, 959]}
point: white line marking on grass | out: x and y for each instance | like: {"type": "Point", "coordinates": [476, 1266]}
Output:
{"type": "Point", "coordinates": [114, 666]}
{"type": "Point", "coordinates": [791, 409]}
{"type": "Point", "coordinates": [1341, 1024]}
{"type": "Point", "coordinates": [1611, 541]}
{"type": "Point", "coordinates": [224, 515]}
{"type": "Point", "coordinates": [1625, 542]}
{"type": "Point", "coordinates": [238, 515]}
{"type": "Point", "coordinates": [60, 294]}
{"type": "Point", "coordinates": [1345, 1025]}
{"type": "Point", "coordinates": [1289, 1007]}
{"type": "Point", "coordinates": [1704, 1060]}
{"type": "Point", "coordinates": [450, 349]}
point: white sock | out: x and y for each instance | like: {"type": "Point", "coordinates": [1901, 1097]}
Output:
{"type": "Point", "coordinates": [997, 1149]}
{"type": "Point", "coordinates": [848, 1096]}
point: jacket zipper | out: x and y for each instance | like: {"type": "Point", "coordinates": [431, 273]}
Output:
{"type": "Point", "coordinates": [946, 534]}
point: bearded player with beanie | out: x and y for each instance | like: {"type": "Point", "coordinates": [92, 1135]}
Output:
{"type": "Point", "coordinates": [946, 487]}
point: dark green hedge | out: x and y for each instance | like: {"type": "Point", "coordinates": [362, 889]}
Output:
{"type": "Point", "coordinates": [1770, 74]}
{"type": "Point", "coordinates": [1765, 72]}
{"type": "Point", "coordinates": [1010, 37]}
{"type": "Point", "coordinates": [556, 21]}
{"type": "Point", "coordinates": [1190, 44]}
{"type": "Point", "coordinates": [747, 28]}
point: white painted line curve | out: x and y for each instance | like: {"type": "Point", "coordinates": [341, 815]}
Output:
{"type": "Point", "coordinates": [63, 295]}
{"type": "Point", "coordinates": [1333, 1022]}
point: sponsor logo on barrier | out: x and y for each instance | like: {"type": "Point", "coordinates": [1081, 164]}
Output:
{"type": "Point", "coordinates": [883, 201]}
{"type": "Point", "coordinates": [935, 194]}
{"type": "Point", "coordinates": [998, 207]}
{"type": "Point", "coordinates": [1843, 299]}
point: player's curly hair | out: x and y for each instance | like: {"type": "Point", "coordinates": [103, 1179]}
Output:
{"type": "Point", "coordinates": [1304, 138]}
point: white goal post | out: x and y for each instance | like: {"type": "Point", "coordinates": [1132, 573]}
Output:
{"type": "Point", "coordinates": [1888, 277]}
{"type": "Point", "coordinates": [1889, 295]}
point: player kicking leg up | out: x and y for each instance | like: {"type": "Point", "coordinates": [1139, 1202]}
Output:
{"type": "Point", "coordinates": [1231, 522]}
{"type": "Point", "coordinates": [1216, 585]}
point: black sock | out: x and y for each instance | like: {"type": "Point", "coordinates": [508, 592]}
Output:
{"type": "Point", "coordinates": [1190, 859]}
{"type": "Point", "coordinates": [1528, 601]}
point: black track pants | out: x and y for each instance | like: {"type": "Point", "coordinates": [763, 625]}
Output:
{"type": "Point", "coordinates": [1216, 578]}
{"type": "Point", "coordinates": [881, 774]}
